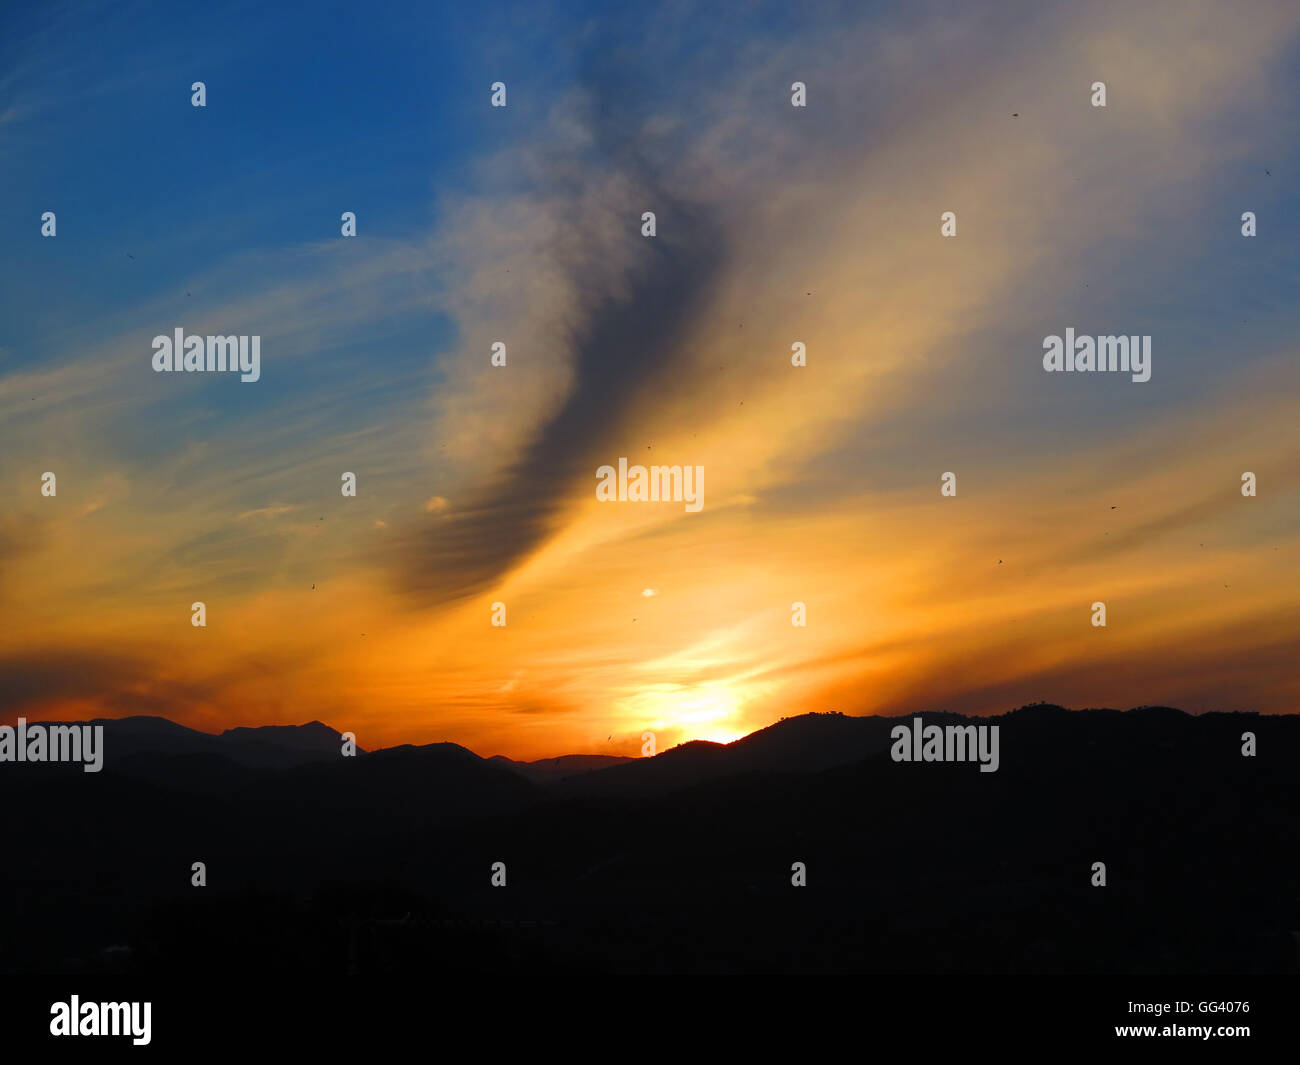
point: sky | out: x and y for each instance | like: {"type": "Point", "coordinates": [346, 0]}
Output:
{"type": "Point", "coordinates": [775, 225]}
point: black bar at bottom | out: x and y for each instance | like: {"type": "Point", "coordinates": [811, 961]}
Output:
{"type": "Point", "coordinates": [1243, 1015]}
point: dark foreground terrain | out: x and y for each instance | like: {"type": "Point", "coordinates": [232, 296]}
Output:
{"type": "Point", "coordinates": [382, 863]}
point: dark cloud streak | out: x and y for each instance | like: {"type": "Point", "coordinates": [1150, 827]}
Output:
{"type": "Point", "coordinates": [627, 336]}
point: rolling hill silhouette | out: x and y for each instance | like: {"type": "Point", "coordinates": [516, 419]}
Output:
{"type": "Point", "coordinates": [681, 862]}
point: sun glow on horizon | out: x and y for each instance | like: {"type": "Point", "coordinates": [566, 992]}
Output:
{"type": "Point", "coordinates": [685, 712]}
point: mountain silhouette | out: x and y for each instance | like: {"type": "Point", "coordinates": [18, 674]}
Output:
{"type": "Point", "coordinates": [264, 747]}
{"type": "Point", "coordinates": [803, 744]}
{"type": "Point", "coordinates": [563, 766]}
{"type": "Point", "coordinates": [680, 862]}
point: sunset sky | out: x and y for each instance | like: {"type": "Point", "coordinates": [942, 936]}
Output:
{"type": "Point", "coordinates": [776, 224]}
